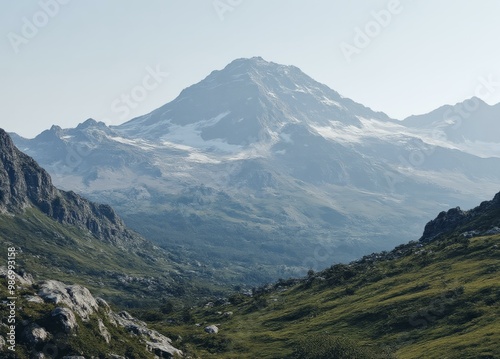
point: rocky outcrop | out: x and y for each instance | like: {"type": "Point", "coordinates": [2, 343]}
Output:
{"type": "Point", "coordinates": [75, 297]}
{"type": "Point", "coordinates": [64, 320]}
{"type": "Point", "coordinates": [22, 280]}
{"type": "Point", "coordinates": [75, 304]}
{"type": "Point", "coordinates": [467, 221]}
{"type": "Point", "coordinates": [443, 223]}
{"type": "Point", "coordinates": [156, 343]}
{"type": "Point", "coordinates": [34, 334]}
{"type": "Point", "coordinates": [104, 331]}
{"type": "Point", "coordinates": [23, 184]}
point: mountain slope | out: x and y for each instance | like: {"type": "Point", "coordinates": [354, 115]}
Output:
{"type": "Point", "coordinates": [61, 321]}
{"type": "Point", "coordinates": [61, 232]}
{"type": "Point", "coordinates": [470, 125]}
{"type": "Point", "coordinates": [425, 299]}
{"type": "Point", "coordinates": [25, 184]}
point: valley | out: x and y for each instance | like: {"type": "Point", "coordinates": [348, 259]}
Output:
{"type": "Point", "coordinates": [259, 159]}
{"type": "Point", "coordinates": [258, 215]}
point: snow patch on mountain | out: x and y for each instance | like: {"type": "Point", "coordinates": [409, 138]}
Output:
{"type": "Point", "coordinates": [391, 131]}
{"type": "Point", "coordinates": [191, 135]}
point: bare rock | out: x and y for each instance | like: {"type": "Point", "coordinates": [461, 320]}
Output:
{"type": "Point", "coordinates": [24, 280]}
{"type": "Point", "coordinates": [156, 343]}
{"type": "Point", "coordinates": [33, 298]}
{"type": "Point", "coordinates": [34, 334]}
{"type": "Point", "coordinates": [104, 331]}
{"type": "Point", "coordinates": [77, 298]}
{"type": "Point", "coordinates": [65, 319]}
{"type": "Point", "coordinates": [212, 329]}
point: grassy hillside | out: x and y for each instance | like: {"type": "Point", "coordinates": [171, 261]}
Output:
{"type": "Point", "coordinates": [436, 300]}
{"type": "Point", "coordinates": [129, 278]}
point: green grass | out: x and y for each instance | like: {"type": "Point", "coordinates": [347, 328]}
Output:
{"type": "Point", "coordinates": [49, 250]}
{"type": "Point", "coordinates": [441, 303]}
{"type": "Point", "coordinates": [87, 341]}
{"type": "Point", "coordinates": [439, 300]}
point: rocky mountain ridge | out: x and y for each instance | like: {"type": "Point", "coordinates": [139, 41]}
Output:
{"type": "Point", "coordinates": [470, 222]}
{"type": "Point", "coordinates": [23, 183]}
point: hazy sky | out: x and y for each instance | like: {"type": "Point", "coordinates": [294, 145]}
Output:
{"type": "Point", "coordinates": [63, 61]}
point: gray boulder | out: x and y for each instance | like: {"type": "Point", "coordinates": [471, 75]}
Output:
{"type": "Point", "coordinates": [34, 334]}
{"type": "Point", "coordinates": [65, 319]}
{"type": "Point", "coordinates": [212, 329]}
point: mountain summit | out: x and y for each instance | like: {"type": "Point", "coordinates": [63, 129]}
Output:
{"type": "Point", "coordinates": [249, 101]}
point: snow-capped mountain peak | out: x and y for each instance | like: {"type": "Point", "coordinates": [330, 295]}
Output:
{"type": "Point", "coordinates": [249, 101]}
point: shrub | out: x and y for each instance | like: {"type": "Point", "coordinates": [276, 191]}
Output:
{"type": "Point", "coordinates": [330, 347]}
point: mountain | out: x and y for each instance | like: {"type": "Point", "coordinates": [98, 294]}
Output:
{"type": "Point", "coordinates": [55, 231]}
{"type": "Point", "coordinates": [259, 172]}
{"type": "Point", "coordinates": [432, 298]}
{"type": "Point", "coordinates": [247, 103]}
{"type": "Point", "coordinates": [25, 184]}
{"type": "Point", "coordinates": [470, 125]}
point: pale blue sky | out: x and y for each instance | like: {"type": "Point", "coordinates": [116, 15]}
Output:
{"type": "Point", "coordinates": [86, 54]}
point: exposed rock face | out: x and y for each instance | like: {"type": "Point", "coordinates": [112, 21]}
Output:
{"type": "Point", "coordinates": [156, 343]}
{"type": "Point", "coordinates": [454, 218]}
{"type": "Point", "coordinates": [34, 334]}
{"type": "Point", "coordinates": [444, 222]}
{"type": "Point", "coordinates": [75, 303]}
{"type": "Point", "coordinates": [64, 319]}
{"type": "Point", "coordinates": [104, 331]}
{"type": "Point", "coordinates": [23, 280]}
{"type": "Point", "coordinates": [23, 184]}
{"type": "Point", "coordinates": [77, 298]}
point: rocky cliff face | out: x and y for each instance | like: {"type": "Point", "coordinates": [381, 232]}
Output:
{"type": "Point", "coordinates": [24, 184]}
{"type": "Point", "coordinates": [65, 315]}
{"type": "Point", "coordinates": [469, 222]}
